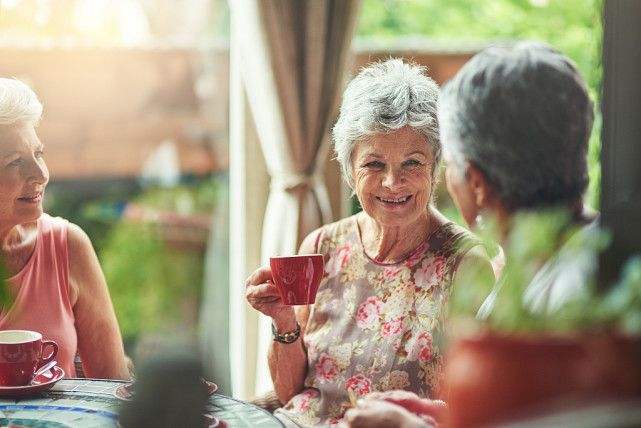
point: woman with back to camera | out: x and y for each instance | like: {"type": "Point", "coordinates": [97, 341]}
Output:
{"type": "Point", "coordinates": [389, 270]}
{"type": "Point", "coordinates": [55, 283]}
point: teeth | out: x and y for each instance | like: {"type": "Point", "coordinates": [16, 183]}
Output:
{"type": "Point", "coordinates": [396, 201]}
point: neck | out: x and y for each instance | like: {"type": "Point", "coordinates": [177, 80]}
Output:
{"type": "Point", "coordinates": [580, 215]}
{"type": "Point", "coordinates": [386, 243]}
{"type": "Point", "coordinates": [11, 236]}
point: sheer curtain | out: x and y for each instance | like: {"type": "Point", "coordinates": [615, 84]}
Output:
{"type": "Point", "coordinates": [293, 56]}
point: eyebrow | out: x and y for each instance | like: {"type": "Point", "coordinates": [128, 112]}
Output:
{"type": "Point", "coordinates": [416, 153]}
{"type": "Point", "coordinates": [9, 154]}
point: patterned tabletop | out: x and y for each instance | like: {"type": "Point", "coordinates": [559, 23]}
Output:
{"type": "Point", "coordinates": [94, 403]}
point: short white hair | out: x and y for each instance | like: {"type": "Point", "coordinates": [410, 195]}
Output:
{"type": "Point", "coordinates": [385, 97]}
{"type": "Point", "coordinates": [18, 103]}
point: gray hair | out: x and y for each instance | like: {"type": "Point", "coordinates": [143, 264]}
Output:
{"type": "Point", "coordinates": [385, 97]}
{"type": "Point", "coordinates": [18, 103]}
{"type": "Point", "coordinates": [522, 115]}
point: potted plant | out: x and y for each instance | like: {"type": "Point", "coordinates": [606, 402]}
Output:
{"type": "Point", "coordinates": [517, 361]}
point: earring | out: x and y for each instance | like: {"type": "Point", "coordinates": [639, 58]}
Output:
{"type": "Point", "coordinates": [479, 222]}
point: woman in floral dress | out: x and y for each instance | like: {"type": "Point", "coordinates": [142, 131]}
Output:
{"type": "Point", "coordinates": [515, 126]}
{"type": "Point", "coordinates": [389, 270]}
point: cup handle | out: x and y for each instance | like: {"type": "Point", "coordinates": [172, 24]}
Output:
{"type": "Point", "coordinates": [52, 355]}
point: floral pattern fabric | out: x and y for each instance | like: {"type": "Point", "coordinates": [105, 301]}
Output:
{"type": "Point", "coordinates": [374, 327]}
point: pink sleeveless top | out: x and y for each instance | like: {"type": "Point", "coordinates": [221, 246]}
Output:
{"type": "Point", "coordinates": [41, 293]}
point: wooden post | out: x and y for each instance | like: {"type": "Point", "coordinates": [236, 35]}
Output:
{"type": "Point", "coordinates": [621, 138]}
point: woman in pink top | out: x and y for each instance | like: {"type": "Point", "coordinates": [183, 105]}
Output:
{"type": "Point", "coordinates": [55, 283]}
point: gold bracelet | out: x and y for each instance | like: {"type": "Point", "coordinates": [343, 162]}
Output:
{"type": "Point", "coordinates": [287, 337]}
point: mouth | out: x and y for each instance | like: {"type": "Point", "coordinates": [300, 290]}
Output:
{"type": "Point", "coordinates": [394, 202]}
{"type": "Point", "coordinates": [31, 199]}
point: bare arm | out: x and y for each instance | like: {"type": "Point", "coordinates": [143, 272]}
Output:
{"type": "Point", "coordinates": [287, 362]}
{"type": "Point", "coordinates": [99, 340]}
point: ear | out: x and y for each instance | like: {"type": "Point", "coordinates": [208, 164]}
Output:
{"type": "Point", "coordinates": [479, 185]}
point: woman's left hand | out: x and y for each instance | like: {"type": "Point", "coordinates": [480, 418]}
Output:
{"type": "Point", "coordinates": [373, 413]}
{"type": "Point", "coordinates": [435, 409]}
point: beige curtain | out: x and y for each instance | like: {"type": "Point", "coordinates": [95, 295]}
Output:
{"type": "Point", "coordinates": [293, 59]}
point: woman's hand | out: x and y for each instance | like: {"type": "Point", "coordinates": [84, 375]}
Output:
{"type": "Point", "coordinates": [373, 413]}
{"type": "Point", "coordinates": [435, 409]}
{"type": "Point", "coordinates": [262, 294]}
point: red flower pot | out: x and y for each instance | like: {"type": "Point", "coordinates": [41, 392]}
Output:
{"type": "Point", "coordinates": [493, 378]}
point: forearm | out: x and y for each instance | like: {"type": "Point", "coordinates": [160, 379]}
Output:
{"type": "Point", "coordinates": [287, 362]}
{"type": "Point", "coordinates": [101, 350]}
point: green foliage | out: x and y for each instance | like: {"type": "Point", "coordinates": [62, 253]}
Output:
{"type": "Point", "coordinates": [6, 299]}
{"type": "Point", "coordinates": [571, 26]}
{"type": "Point", "coordinates": [535, 239]}
{"type": "Point", "coordinates": [151, 286]}
{"type": "Point", "coordinates": [623, 304]}
{"type": "Point", "coordinates": [182, 199]}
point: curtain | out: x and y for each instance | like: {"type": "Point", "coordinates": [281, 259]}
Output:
{"type": "Point", "coordinates": [293, 56]}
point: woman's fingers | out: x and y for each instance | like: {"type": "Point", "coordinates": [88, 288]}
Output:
{"type": "Point", "coordinates": [375, 413]}
{"type": "Point", "coordinates": [395, 395]}
{"type": "Point", "coordinates": [265, 291]}
{"type": "Point", "coordinates": [260, 276]}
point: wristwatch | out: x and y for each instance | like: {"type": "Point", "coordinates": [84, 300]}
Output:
{"type": "Point", "coordinates": [286, 337]}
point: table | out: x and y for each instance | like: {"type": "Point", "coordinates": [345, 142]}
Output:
{"type": "Point", "coordinates": [93, 403]}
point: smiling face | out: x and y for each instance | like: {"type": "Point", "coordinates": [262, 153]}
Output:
{"type": "Point", "coordinates": [393, 176]}
{"type": "Point", "coordinates": [23, 174]}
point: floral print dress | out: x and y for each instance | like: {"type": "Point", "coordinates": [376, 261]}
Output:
{"type": "Point", "coordinates": [374, 326]}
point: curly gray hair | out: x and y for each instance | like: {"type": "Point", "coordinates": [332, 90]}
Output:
{"type": "Point", "coordinates": [522, 115]}
{"type": "Point", "coordinates": [385, 97]}
{"type": "Point", "coordinates": [18, 103]}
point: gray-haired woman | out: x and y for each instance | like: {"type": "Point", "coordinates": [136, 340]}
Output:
{"type": "Point", "coordinates": [515, 123]}
{"type": "Point", "coordinates": [389, 269]}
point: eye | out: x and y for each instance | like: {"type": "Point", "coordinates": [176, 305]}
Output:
{"type": "Point", "coordinates": [411, 163]}
{"type": "Point", "coordinates": [15, 162]}
{"type": "Point", "coordinates": [374, 165]}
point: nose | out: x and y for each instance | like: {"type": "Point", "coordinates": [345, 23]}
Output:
{"type": "Point", "coordinates": [392, 178]}
{"type": "Point", "coordinates": [37, 172]}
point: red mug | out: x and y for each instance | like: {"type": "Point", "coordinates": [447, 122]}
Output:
{"type": "Point", "coordinates": [22, 354]}
{"type": "Point", "coordinates": [297, 277]}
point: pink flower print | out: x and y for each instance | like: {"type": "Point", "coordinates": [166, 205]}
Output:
{"type": "Point", "coordinates": [326, 368]}
{"type": "Point", "coordinates": [416, 256]}
{"type": "Point", "coordinates": [390, 272]}
{"type": "Point", "coordinates": [332, 422]}
{"type": "Point", "coordinates": [338, 260]}
{"type": "Point", "coordinates": [392, 328]}
{"type": "Point", "coordinates": [430, 273]}
{"type": "Point", "coordinates": [302, 401]}
{"type": "Point", "coordinates": [368, 312]}
{"type": "Point", "coordinates": [359, 384]}
{"type": "Point", "coordinates": [422, 347]}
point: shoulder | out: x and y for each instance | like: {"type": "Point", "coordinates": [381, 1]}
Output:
{"type": "Point", "coordinates": [450, 238]}
{"type": "Point", "coordinates": [77, 240]}
{"type": "Point", "coordinates": [83, 261]}
{"type": "Point", "coordinates": [316, 240]}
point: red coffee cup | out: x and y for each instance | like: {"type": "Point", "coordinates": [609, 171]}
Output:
{"type": "Point", "coordinates": [297, 277]}
{"type": "Point", "coordinates": [22, 354]}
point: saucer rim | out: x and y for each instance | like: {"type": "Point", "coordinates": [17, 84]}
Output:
{"type": "Point", "coordinates": [30, 386]}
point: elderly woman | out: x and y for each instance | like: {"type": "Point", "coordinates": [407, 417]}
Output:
{"type": "Point", "coordinates": [55, 284]}
{"type": "Point", "coordinates": [515, 124]}
{"type": "Point", "coordinates": [389, 269]}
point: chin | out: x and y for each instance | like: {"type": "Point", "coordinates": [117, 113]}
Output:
{"type": "Point", "coordinates": [32, 215]}
{"type": "Point", "coordinates": [396, 220]}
